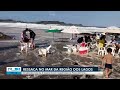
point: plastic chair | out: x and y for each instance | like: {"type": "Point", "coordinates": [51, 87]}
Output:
{"type": "Point", "coordinates": [83, 49]}
{"type": "Point", "coordinates": [69, 49]}
{"type": "Point", "coordinates": [44, 51]}
{"type": "Point", "coordinates": [74, 49]}
{"type": "Point", "coordinates": [119, 52]}
{"type": "Point", "coordinates": [25, 46]}
{"type": "Point", "coordinates": [113, 51]}
{"type": "Point", "coordinates": [48, 49]}
{"type": "Point", "coordinates": [102, 51]}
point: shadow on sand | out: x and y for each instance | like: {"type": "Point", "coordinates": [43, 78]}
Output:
{"type": "Point", "coordinates": [7, 48]}
{"type": "Point", "coordinates": [16, 46]}
{"type": "Point", "coordinates": [3, 63]}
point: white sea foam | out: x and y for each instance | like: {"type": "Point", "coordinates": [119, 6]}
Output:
{"type": "Point", "coordinates": [48, 26]}
{"type": "Point", "coordinates": [30, 25]}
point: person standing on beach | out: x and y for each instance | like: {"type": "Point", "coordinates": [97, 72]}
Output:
{"type": "Point", "coordinates": [32, 37]}
{"type": "Point", "coordinates": [28, 38]}
{"type": "Point", "coordinates": [98, 37]}
{"type": "Point", "coordinates": [24, 36]}
{"type": "Point", "coordinates": [108, 60]}
{"type": "Point", "coordinates": [102, 42]}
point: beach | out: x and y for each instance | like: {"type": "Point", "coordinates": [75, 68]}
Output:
{"type": "Point", "coordinates": [10, 56]}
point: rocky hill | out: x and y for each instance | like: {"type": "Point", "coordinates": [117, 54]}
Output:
{"type": "Point", "coordinates": [57, 22]}
{"type": "Point", "coordinates": [41, 22]}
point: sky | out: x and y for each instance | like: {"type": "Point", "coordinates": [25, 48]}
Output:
{"type": "Point", "coordinates": [86, 18]}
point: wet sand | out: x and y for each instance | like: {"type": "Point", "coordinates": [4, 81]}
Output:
{"type": "Point", "coordinates": [11, 56]}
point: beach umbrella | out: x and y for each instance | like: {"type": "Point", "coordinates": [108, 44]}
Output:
{"type": "Point", "coordinates": [112, 29]}
{"type": "Point", "coordinates": [72, 30]}
{"type": "Point", "coordinates": [53, 31]}
{"type": "Point", "coordinates": [95, 29]}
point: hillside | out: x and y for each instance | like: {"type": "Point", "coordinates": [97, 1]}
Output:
{"type": "Point", "coordinates": [57, 22]}
{"type": "Point", "coordinates": [9, 20]}
{"type": "Point", "coordinates": [41, 22]}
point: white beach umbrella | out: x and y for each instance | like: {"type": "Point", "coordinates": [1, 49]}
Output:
{"type": "Point", "coordinates": [112, 29]}
{"type": "Point", "coordinates": [95, 29]}
{"type": "Point", "coordinates": [91, 29]}
{"type": "Point", "coordinates": [71, 30]}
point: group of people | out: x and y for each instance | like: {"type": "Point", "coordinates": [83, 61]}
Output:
{"type": "Point", "coordinates": [102, 40]}
{"type": "Point", "coordinates": [28, 36]}
{"type": "Point", "coordinates": [85, 39]}
{"type": "Point", "coordinates": [82, 43]}
{"type": "Point", "coordinates": [106, 40]}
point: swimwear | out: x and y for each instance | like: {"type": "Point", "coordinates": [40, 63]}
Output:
{"type": "Point", "coordinates": [108, 66]}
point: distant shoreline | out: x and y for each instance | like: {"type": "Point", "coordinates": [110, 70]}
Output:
{"type": "Point", "coordinates": [46, 22]}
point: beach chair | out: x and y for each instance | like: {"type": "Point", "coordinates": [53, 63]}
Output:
{"type": "Point", "coordinates": [74, 49]}
{"type": "Point", "coordinates": [44, 51]}
{"type": "Point", "coordinates": [24, 46]}
{"type": "Point", "coordinates": [83, 49]}
{"type": "Point", "coordinates": [69, 49]}
{"type": "Point", "coordinates": [102, 51]}
{"type": "Point", "coordinates": [93, 46]}
{"type": "Point", "coordinates": [48, 49]}
{"type": "Point", "coordinates": [113, 51]}
{"type": "Point", "coordinates": [119, 52]}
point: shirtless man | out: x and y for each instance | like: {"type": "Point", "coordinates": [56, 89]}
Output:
{"type": "Point", "coordinates": [108, 60]}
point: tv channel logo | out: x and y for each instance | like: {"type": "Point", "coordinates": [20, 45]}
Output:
{"type": "Point", "coordinates": [13, 69]}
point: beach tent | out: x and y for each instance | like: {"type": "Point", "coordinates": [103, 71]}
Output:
{"type": "Point", "coordinates": [112, 29]}
{"type": "Point", "coordinates": [53, 31]}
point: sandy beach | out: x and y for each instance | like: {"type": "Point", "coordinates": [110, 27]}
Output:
{"type": "Point", "coordinates": [11, 56]}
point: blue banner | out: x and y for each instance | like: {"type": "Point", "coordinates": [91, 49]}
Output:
{"type": "Point", "coordinates": [59, 69]}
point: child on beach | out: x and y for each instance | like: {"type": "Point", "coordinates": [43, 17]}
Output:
{"type": "Point", "coordinates": [108, 60]}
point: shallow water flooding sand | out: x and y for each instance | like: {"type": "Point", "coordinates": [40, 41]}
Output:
{"type": "Point", "coordinates": [11, 56]}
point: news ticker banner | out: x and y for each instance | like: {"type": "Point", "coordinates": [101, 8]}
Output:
{"type": "Point", "coordinates": [53, 70]}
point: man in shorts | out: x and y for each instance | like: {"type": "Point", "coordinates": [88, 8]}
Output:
{"type": "Point", "coordinates": [108, 60]}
